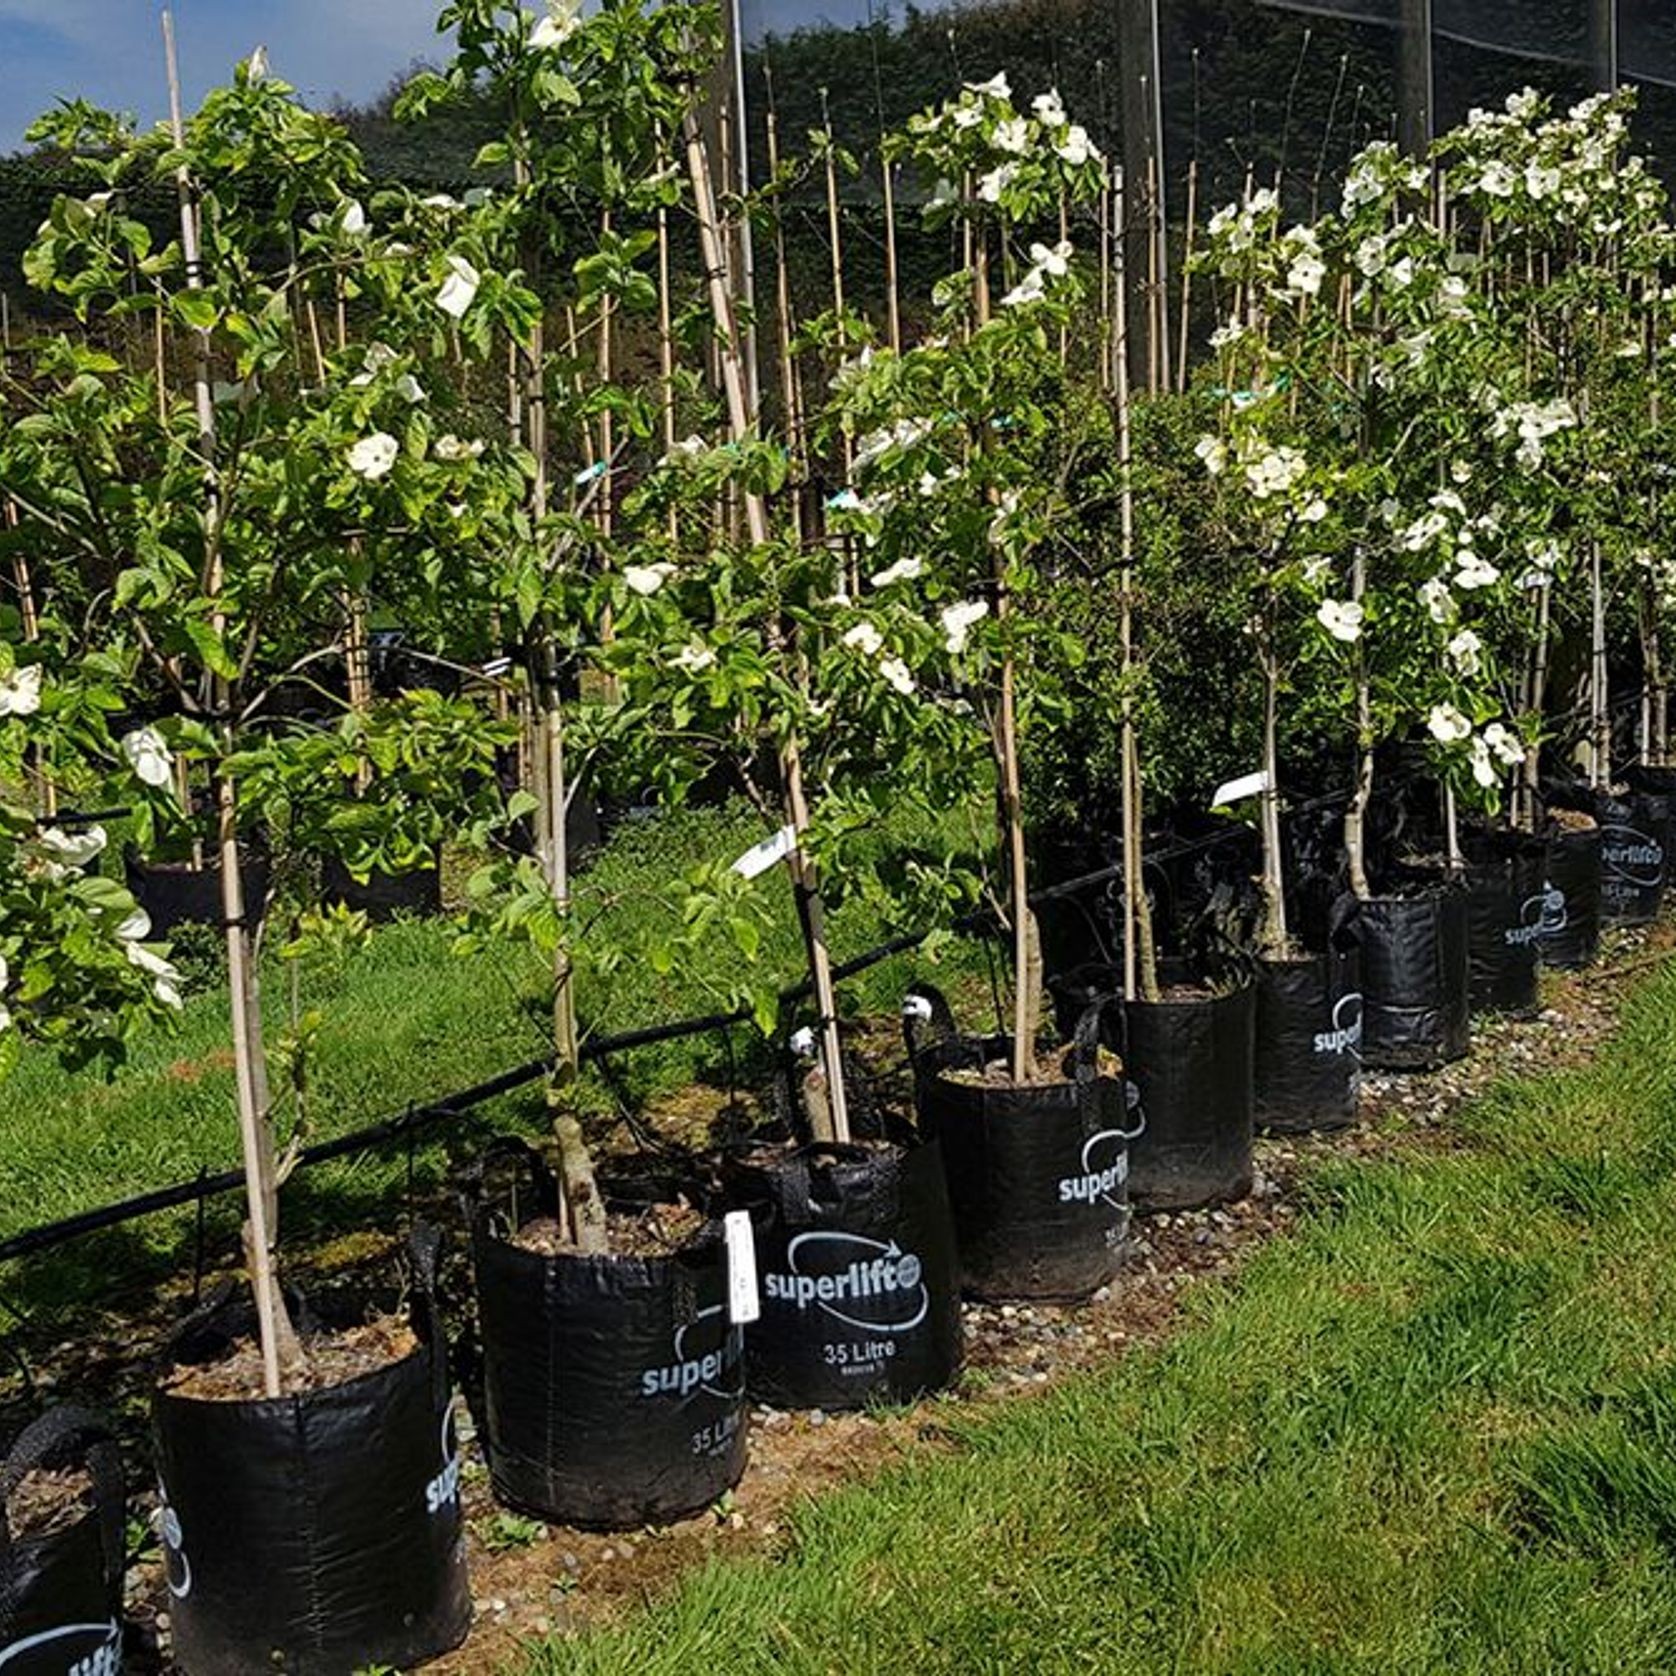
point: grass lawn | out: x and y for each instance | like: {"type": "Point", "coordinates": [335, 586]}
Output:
{"type": "Point", "coordinates": [1433, 1431]}
{"type": "Point", "coordinates": [407, 1021]}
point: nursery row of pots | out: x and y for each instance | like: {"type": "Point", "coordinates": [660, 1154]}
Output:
{"type": "Point", "coordinates": [321, 1531]}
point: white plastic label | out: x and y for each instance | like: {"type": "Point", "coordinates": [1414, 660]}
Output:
{"type": "Point", "coordinates": [744, 1305]}
{"type": "Point", "coordinates": [760, 857]}
{"type": "Point", "coordinates": [1248, 785]}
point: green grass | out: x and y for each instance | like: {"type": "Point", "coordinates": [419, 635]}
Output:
{"type": "Point", "coordinates": [407, 1021]}
{"type": "Point", "coordinates": [1434, 1430]}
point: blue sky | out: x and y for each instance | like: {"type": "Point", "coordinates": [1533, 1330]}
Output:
{"type": "Point", "coordinates": [111, 50]}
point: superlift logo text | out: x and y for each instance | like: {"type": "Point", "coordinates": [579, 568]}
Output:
{"type": "Point", "coordinates": [691, 1371]}
{"type": "Point", "coordinates": [865, 1283]}
{"type": "Point", "coordinates": [1346, 1033]}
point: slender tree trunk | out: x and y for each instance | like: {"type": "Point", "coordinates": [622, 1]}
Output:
{"type": "Point", "coordinates": [1355, 816]}
{"type": "Point", "coordinates": [1276, 940]}
{"type": "Point", "coordinates": [1600, 711]}
{"type": "Point", "coordinates": [1532, 773]}
{"type": "Point", "coordinates": [1140, 967]}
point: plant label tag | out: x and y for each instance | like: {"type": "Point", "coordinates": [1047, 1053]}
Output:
{"type": "Point", "coordinates": [744, 1305]}
{"type": "Point", "coordinates": [760, 857]}
{"type": "Point", "coordinates": [1235, 791]}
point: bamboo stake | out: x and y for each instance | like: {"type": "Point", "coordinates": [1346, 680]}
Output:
{"type": "Point", "coordinates": [1187, 269]}
{"type": "Point", "coordinates": [666, 338]}
{"type": "Point", "coordinates": [791, 396]}
{"type": "Point", "coordinates": [805, 882]}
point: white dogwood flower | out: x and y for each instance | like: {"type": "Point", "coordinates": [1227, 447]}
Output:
{"type": "Point", "coordinates": [1341, 618]}
{"type": "Point", "coordinates": [1447, 724]}
{"type": "Point", "coordinates": [373, 456]}
{"type": "Point", "coordinates": [958, 621]}
{"type": "Point", "coordinates": [897, 673]}
{"type": "Point", "coordinates": [904, 570]}
{"type": "Point", "coordinates": [148, 755]}
{"type": "Point", "coordinates": [646, 579]}
{"type": "Point", "coordinates": [459, 289]}
{"type": "Point", "coordinates": [20, 691]}
{"type": "Point", "coordinates": [863, 637]}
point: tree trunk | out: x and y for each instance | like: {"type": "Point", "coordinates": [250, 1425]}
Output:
{"type": "Point", "coordinates": [1276, 938]}
{"type": "Point", "coordinates": [1600, 712]}
{"type": "Point", "coordinates": [1356, 815]}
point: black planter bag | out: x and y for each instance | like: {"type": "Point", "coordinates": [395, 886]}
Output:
{"type": "Point", "coordinates": [173, 894]}
{"type": "Point", "coordinates": [1571, 907]}
{"type": "Point", "coordinates": [1505, 894]}
{"type": "Point", "coordinates": [1416, 978]}
{"type": "Point", "coordinates": [61, 1590]}
{"type": "Point", "coordinates": [614, 1387]}
{"type": "Point", "coordinates": [320, 1533]}
{"type": "Point", "coordinates": [1308, 1044]}
{"type": "Point", "coordinates": [383, 895]}
{"type": "Point", "coordinates": [1037, 1176]}
{"type": "Point", "coordinates": [1634, 840]}
{"type": "Point", "coordinates": [1193, 1062]}
{"type": "Point", "coordinates": [860, 1282]}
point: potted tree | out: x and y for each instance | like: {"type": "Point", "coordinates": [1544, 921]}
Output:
{"type": "Point", "coordinates": [959, 474]}
{"type": "Point", "coordinates": [226, 527]}
{"type": "Point", "coordinates": [613, 1384]}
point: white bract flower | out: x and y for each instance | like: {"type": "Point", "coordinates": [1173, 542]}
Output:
{"type": "Point", "coordinates": [958, 621]}
{"type": "Point", "coordinates": [459, 289]}
{"type": "Point", "coordinates": [1474, 572]}
{"type": "Point", "coordinates": [1438, 601]}
{"type": "Point", "coordinates": [1053, 259]}
{"type": "Point", "coordinates": [1341, 618]}
{"type": "Point", "coordinates": [1214, 452]}
{"type": "Point", "coordinates": [1448, 725]}
{"type": "Point", "coordinates": [1496, 180]}
{"type": "Point", "coordinates": [354, 219]}
{"type": "Point", "coordinates": [1049, 107]}
{"type": "Point", "coordinates": [135, 928]}
{"type": "Point", "coordinates": [1483, 767]}
{"type": "Point", "coordinates": [1313, 511]}
{"type": "Point", "coordinates": [695, 659]}
{"type": "Point", "coordinates": [1505, 743]}
{"type": "Point", "coordinates": [1275, 472]}
{"type": "Point", "coordinates": [1231, 333]}
{"type": "Point", "coordinates": [20, 691]}
{"type": "Point", "coordinates": [1013, 136]}
{"type": "Point", "coordinates": [997, 87]}
{"type": "Point", "coordinates": [863, 637]}
{"type": "Point", "coordinates": [897, 673]}
{"type": "Point", "coordinates": [555, 29]}
{"type": "Point", "coordinates": [373, 456]}
{"type": "Point", "coordinates": [410, 389]}
{"type": "Point", "coordinates": [904, 570]}
{"type": "Point", "coordinates": [165, 977]}
{"type": "Point", "coordinates": [148, 755]}
{"type": "Point", "coordinates": [992, 185]}
{"type": "Point", "coordinates": [1465, 652]}
{"type": "Point", "coordinates": [451, 447]}
{"type": "Point", "coordinates": [73, 849]}
{"type": "Point", "coordinates": [646, 579]}
{"type": "Point", "coordinates": [1031, 289]}
{"type": "Point", "coordinates": [1075, 147]}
